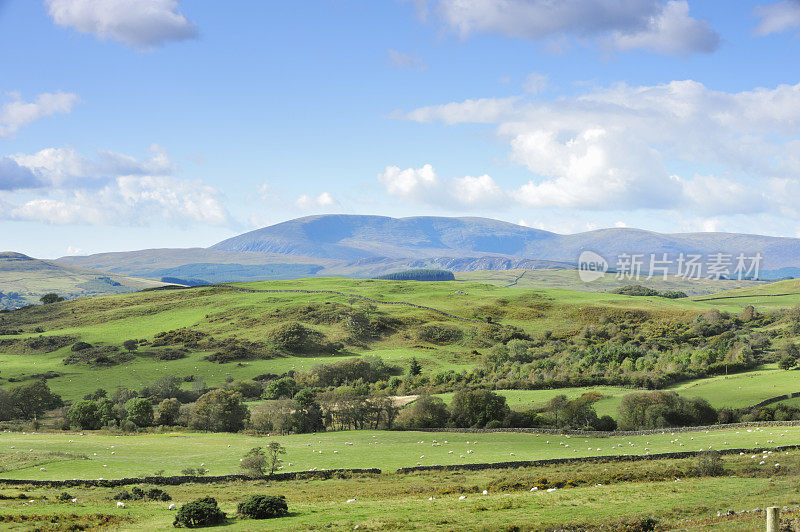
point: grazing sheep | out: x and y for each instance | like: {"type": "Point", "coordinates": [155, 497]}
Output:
{"type": "Point", "coordinates": [351, 500]}
{"type": "Point", "coordinates": [462, 497]}
{"type": "Point", "coordinates": [487, 493]}
{"type": "Point", "coordinates": [172, 506]}
{"type": "Point", "coordinates": [120, 504]}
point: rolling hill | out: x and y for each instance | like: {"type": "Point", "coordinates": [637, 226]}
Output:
{"type": "Point", "coordinates": [23, 280]}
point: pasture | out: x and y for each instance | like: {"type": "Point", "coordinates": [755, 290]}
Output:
{"type": "Point", "coordinates": [588, 494]}
{"type": "Point", "coordinates": [56, 456]}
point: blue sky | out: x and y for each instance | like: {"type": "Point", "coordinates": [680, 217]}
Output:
{"type": "Point", "coordinates": [130, 124]}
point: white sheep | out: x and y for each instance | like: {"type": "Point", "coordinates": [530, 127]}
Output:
{"type": "Point", "coordinates": [351, 500]}
{"type": "Point", "coordinates": [172, 506]}
{"type": "Point", "coordinates": [120, 504]}
{"type": "Point", "coordinates": [487, 493]}
{"type": "Point", "coordinates": [462, 497]}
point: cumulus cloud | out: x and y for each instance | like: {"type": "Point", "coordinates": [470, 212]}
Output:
{"type": "Point", "coordinates": [306, 202]}
{"type": "Point", "coordinates": [16, 177]}
{"type": "Point", "coordinates": [778, 17]}
{"type": "Point", "coordinates": [670, 32]}
{"type": "Point", "coordinates": [112, 189]}
{"type": "Point", "coordinates": [654, 25]}
{"type": "Point", "coordinates": [401, 60]}
{"type": "Point", "coordinates": [18, 113]}
{"type": "Point", "coordinates": [64, 167]}
{"type": "Point", "coordinates": [422, 185]}
{"type": "Point", "coordinates": [140, 24]}
{"type": "Point", "coordinates": [624, 147]}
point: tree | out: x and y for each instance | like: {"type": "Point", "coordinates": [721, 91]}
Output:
{"type": "Point", "coordinates": [254, 463]}
{"type": "Point", "coordinates": [283, 388]}
{"type": "Point", "coordinates": [85, 415]}
{"type": "Point", "coordinates": [50, 298]}
{"type": "Point", "coordinates": [787, 362]}
{"type": "Point", "coordinates": [415, 368]}
{"type": "Point", "coordinates": [425, 412]}
{"type": "Point", "coordinates": [219, 411]}
{"type": "Point", "coordinates": [274, 452]}
{"type": "Point", "coordinates": [476, 408]}
{"type": "Point", "coordinates": [32, 400]}
{"type": "Point", "coordinates": [168, 411]}
{"type": "Point", "coordinates": [140, 412]}
{"type": "Point", "coordinates": [130, 345]}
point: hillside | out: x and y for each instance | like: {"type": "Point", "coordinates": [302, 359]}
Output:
{"type": "Point", "coordinates": [368, 246]}
{"type": "Point", "coordinates": [569, 280]}
{"type": "Point", "coordinates": [23, 280]}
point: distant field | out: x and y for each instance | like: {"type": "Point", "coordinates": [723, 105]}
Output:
{"type": "Point", "coordinates": [569, 280]}
{"type": "Point", "coordinates": [734, 391]}
{"type": "Point", "coordinates": [108, 456]}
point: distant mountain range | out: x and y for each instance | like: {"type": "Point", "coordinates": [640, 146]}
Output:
{"type": "Point", "coordinates": [365, 246]}
{"type": "Point", "coordinates": [23, 280]}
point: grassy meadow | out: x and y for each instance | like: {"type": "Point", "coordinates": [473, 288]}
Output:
{"type": "Point", "coordinates": [96, 455]}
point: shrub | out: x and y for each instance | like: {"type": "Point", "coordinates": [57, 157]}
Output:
{"type": "Point", "coordinates": [202, 512]}
{"type": "Point", "coordinates": [64, 497]}
{"type": "Point", "coordinates": [264, 507]}
{"type": "Point", "coordinates": [85, 415]}
{"type": "Point", "coordinates": [439, 333]}
{"type": "Point", "coordinates": [80, 346]}
{"type": "Point", "coordinates": [709, 464]}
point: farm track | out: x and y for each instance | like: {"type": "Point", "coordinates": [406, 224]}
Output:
{"type": "Point", "coordinates": [516, 280]}
{"type": "Point", "coordinates": [356, 296]}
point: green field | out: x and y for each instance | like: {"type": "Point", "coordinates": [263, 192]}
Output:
{"type": "Point", "coordinates": [607, 493]}
{"type": "Point", "coordinates": [733, 391]}
{"type": "Point", "coordinates": [108, 456]}
{"type": "Point", "coordinates": [569, 280]}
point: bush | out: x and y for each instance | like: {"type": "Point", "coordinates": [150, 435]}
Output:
{"type": "Point", "coordinates": [710, 464]}
{"type": "Point", "coordinates": [202, 512]}
{"type": "Point", "coordinates": [80, 346]}
{"type": "Point", "coordinates": [439, 333]}
{"type": "Point", "coordinates": [85, 415]}
{"type": "Point", "coordinates": [64, 497]}
{"type": "Point", "coordinates": [264, 507]}
{"type": "Point", "coordinates": [425, 412]}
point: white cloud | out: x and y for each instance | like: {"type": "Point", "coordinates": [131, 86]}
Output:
{"type": "Point", "coordinates": [65, 167]}
{"type": "Point", "coordinates": [778, 17]}
{"type": "Point", "coordinates": [476, 191]}
{"type": "Point", "coordinates": [324, 200]}
{"type": "Point", "coordinates": [16, 177]}
{"type": "Point", "coordinates": [535, 83]}
{"type": "Point", "coordinates": [670, 32]}
{"type": "Point", "coordinates": [113, 189]}
{"type": "Point", "coordinates": [18, 113]}
{"type": "Point", "coordinates": [74, 250]}
{"type": "Point", "coordinates": [141, 24]}
{"type": "Point", "coordinates": [625, 147]}
{"type": "Point", "coordinates": [662, 27]}
{"type": "Point", "coordinates": [423, 186]}
{"type": "Point", "coordinates": [401, 60]}
{"type": "Point", "coordinates": [411, 183]}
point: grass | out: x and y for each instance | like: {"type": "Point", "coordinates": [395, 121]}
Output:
{"type": "Point", "coordinates": [97, 455]}
{"type": "Point", "coordinates": [433, 500]}
{"type": "Point", "coordinates": [569, 279]}
{"type": "Point", "coordinates": [112, 319]}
